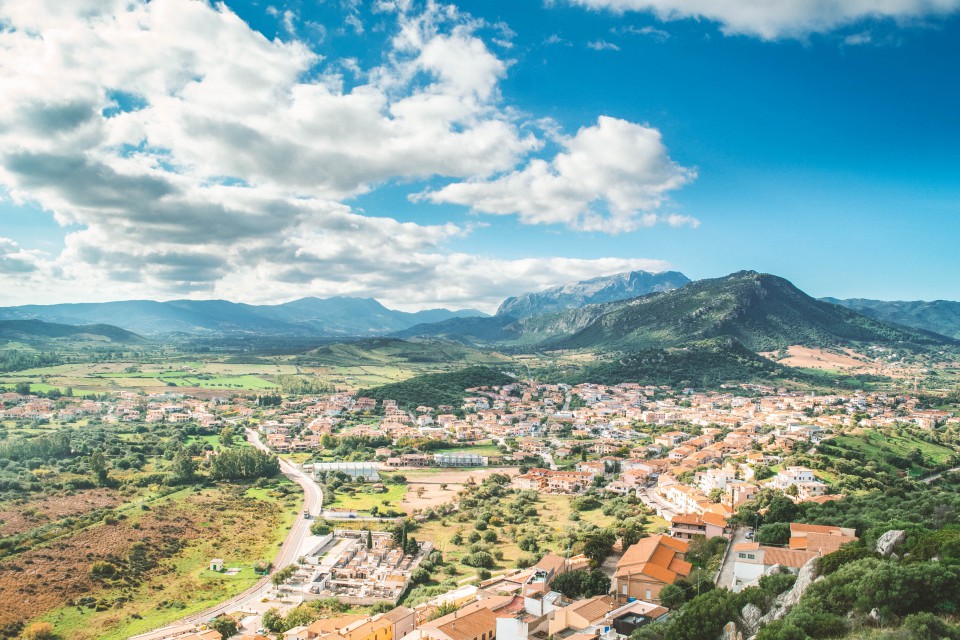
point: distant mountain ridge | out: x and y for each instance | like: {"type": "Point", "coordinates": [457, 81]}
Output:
{"type": "Point", "coordinates": [337, 316]}
{"type": "Point", "coordinates": [620, 286]}
{"type": "Point", "coordinates": [761, 311]}
{"type": "Point", "coordinates": [30, 331]}
{"type": "Point", "coordinates": [939, 316]}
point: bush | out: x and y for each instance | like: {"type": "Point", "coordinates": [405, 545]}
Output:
{"type": "Point", "coordinates": [39, 631]}
{"type": "Point", "coordinates": [480, 560]}
{"type": "Point", "coordinates": [926, 626]}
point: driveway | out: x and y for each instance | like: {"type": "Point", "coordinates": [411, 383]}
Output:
{"type": "Point", "coordinates": [725, 576]}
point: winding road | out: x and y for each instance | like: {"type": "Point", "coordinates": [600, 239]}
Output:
{"type": "Point", "coordinates": [289, 552]}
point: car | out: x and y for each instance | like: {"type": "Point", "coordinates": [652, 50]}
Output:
{"type": "Point", "coordinates": [749, 535]}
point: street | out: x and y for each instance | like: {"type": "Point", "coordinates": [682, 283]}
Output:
{"type": "Point", "coordinates": [291, 549]}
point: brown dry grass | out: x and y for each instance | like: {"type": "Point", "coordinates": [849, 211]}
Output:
{"type": "Point", "coordinates": [19, 516]}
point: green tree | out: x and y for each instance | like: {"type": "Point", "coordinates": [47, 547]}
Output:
{"type": "Point", "coordinates": [183, 469]}
{"type": "Point", "coordinates": [226, 625]}
{"type": "Point", "coordinates": [703, 617]}
{"type": "Point", "coordinates": [23, 388]}
{"type": "Point", "coordinates": [226, 436]}
{"type": "Point", "coordinates": [672, 596]}
{"type": "Point", "coordinates": [599, 545]}
{"type": "Point", "coordinates": [98, 465]}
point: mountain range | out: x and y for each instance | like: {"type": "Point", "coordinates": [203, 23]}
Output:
{"type": "Point", "coordinates": [940, 316]}
{"type": "Point", "coordinates": [596, 290]}
{"type": "Point", "coordinates": [761, 311]}
{"type": "Point", "coordinates": [338, 316]}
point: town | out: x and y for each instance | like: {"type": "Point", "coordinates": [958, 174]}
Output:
{"type": "Point", "coordinates": [689, 459]}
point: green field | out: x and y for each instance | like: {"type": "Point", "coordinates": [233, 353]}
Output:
{"type": "Point", "coordinates": [360, 500]}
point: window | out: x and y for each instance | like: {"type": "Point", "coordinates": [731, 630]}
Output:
{"type": "Point", "coordinates": [649, 596]}
{"type": "Point", "coordinates": [751, 556]}
{"type": "Point", "coordinates": [743, 555]}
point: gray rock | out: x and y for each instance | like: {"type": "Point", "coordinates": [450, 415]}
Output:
{"type": "Point", "coordinates": [890, 541]}
{"type": "Point", "coordinates": [875, 617]}
{"type": "Point", "coordinates": [785, 601]}
{"type": "Point", "coordinates": [751, 616]}
{"type": "Point", "coordinates": [730, 632]}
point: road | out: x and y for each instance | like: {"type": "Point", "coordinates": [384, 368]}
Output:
{"type": "Point", "coordinates": [663, 508]}
{"type": "Point", "coordinates": [725, 577]}
{"type": "Point", "coordinates": [289, 551]}
{"type": "Point", "coordinates": [934, 476]}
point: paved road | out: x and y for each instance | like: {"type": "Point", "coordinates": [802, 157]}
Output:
{"type": "Point", "coordinates": [933, 477]}
{"type": "Point", "coordinates": [289, 551]}
{"type": "Point", "coordinates": [725, 579]}
{"type": "Point", "coordinates": [663, 508]}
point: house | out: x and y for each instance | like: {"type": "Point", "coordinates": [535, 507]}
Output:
{"type": "Point", "coordinates": [209, 634]}
{"type": "Point", "coordinates": [216, 564]}
{"type": "Point", "coordinates": [476, 625]}
{"type": "Point", "coordinates": [629, 617]}
{"type": "Point", "coordinates": [582, 614]}
{"type": "Point", "coordinates": [823, 539]}
{"type": "Point", "coordinates": [649, 565]}
{"type": "Point", "coordinates": [708, 524]}
{"type": "Point", "coordinates": [752, 560]}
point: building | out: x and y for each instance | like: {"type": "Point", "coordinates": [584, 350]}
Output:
{"type": "Point", "coordinates": [648, 566]}
{"type": "Point", "coordinates": [707, 524]}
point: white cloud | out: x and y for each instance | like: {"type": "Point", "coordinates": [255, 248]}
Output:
{"type": "Point", "coordinates": [774, 19]}
{"type": "Point", "coordinates": [602, 45]}
{"type": "Point", "coordinates": [612, 177]}
{"type": "Point", "coordinates": [220, 167]}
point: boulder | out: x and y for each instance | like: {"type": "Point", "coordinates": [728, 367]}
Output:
{"type": "Point", "coordinates": [890, 541]}
{"type": "Point", "coordinates": [751, 616]}
{"type": "Point", "coordinates": [731, 632]}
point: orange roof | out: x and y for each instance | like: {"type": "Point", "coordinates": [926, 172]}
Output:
{"type": "Point", "coordinates": [594, 608]}
{"type": "Point", "coordinates": [471, 625]}
{"type": "Point", "coordinates": [655, 557]}
{"type": "Point", "coordinates": [685, 518]}
{"type": "Point", "coordinates": [787, 557]}
{"type": "Point", "coordinates": [327, 625]}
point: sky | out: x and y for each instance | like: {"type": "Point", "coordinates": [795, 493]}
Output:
{"type": "Point", "coordinates": [449, 155]}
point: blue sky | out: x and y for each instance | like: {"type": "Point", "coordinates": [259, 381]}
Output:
{"type": "Point", "coordinates": [820, 147]}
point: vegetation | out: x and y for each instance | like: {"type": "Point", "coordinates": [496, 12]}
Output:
{"type": "Point", "coordinates": [438, 388]}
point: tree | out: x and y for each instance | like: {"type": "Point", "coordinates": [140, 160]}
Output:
{"type": "Point", "coordinates": [703, 617]}
{"type": "Point", "coordinates": [243, 464]}
{"type": "Point", "coordinates": [273, 621]}
{"type": "Point", "coordinates": [599, 545]}
{"type": "Point", "coordinates": [777, 533]}
{"type": "Point", "coordinates": [98, 465]}
{"type": "Point", "coordinates": [369, 539]}
{"type": "Point", "coordinates": [581, 583]}
{"type": "Point", "coordinates": [23, 388]}
{"type": "Point", "coordinates": [284, 574]}
{"type": "Point", "coordinates": [672, 596]}
{"type": "Point", "coordinates": [226, 625]}
{"type": "Point", "coordinates": [226, 436]}
{"type": "Point", "coordinates": [183, 469]}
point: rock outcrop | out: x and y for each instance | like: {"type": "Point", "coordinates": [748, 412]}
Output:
{"type": "Point", "coordinates": [890, 541]}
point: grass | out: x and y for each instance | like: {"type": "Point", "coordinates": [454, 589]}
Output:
{"type": "Point", "coordinates": [877, 446]}
{"type": "Point", "coordinates": [362, 501]}
{"type": "Point", "coordinates": [242, 526]}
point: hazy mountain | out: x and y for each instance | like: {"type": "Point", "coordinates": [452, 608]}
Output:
{"type": "Point", "coordinates": [604, 289]}
{"type": "Point", "coordinates": [33, 331]}
{"type": "Point", "coordinates": [307, 316]}
{"type": "Point", "coordinates": [761, 311]}
{"type": "Point", "coordinates": [940, 316]}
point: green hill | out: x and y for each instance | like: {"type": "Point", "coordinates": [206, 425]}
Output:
{"type": "Point", "coordinates": [435, 389]}
{"type": "Point", "coordinates": [763, 312]}
{"type": "Point", "coordinates": [37, 331]}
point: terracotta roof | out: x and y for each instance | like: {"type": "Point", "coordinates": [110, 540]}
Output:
{"type": "Point", "coordinates": [551, 562]}
{"type": "Point", "coordinates": [746, 546]}
{"type": "Point", "coordinates": [787, 557]}
{"type": "Point", "coordinates": [715, 519]}
{"type": "Point", "coordinates": [593, 609]}
{"type": "Point", "coordinates": [493, 603]}
{"type": "Point", "coordinates": [471, 625]}
{"type": "Point", "coordinates": [685, 518]}
{"type": "Point", "coordinates": [327, 625]}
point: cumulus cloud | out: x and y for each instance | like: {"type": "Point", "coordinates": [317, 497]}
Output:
{"type": "Point", "coordinates": [775, 19]}
{"type": "Point", "coordinates": [614, 176]}
{"type": "Point", "coordinates": [14, 260]}
{"type": "Point", "coordinates": [199, 158]}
